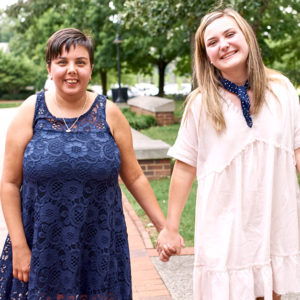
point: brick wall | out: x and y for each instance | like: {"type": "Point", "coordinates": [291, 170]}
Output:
{"type": "Point", "coordinates": [162, 118]}
{"type": "Point", "coordinates": [156, 168]}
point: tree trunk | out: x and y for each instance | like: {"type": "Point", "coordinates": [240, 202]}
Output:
{"type": "Point", "coordinates": [261, 12]}
{"type": "Point", "coordinates": [103, 77]}
{"type": "Point", "coordinates": [161, 71]}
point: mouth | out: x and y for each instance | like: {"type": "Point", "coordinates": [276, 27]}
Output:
{"type": "Point", "coordinates": [228, 54]}
{"type": "Point", "coordinates": [71, 81]}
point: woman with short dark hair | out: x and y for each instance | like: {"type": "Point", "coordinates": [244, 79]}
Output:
{"type": "Point", "coordinates": [60, 194]}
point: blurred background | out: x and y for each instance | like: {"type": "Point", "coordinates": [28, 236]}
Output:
{"type": "Point", "coordinates": [152, 41]}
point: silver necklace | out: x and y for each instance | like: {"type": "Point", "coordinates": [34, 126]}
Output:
{"type": "Point", "coordinates": [68, 129]}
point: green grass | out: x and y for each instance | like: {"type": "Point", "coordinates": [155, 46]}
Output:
{"type": "Point", "coordinates": [166, 133]}
{"type": "Point", "coordinates": [161, 191]}
{"type": "Point", "coordinates": [161, 186]}
{"type": "Point", "coordinates": [179, 107]}
{"type": "Point", "coordinates": [8, 105]}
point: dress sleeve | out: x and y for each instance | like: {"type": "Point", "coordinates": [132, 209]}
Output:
{"type": "Point", "coordinates": [185, 148]}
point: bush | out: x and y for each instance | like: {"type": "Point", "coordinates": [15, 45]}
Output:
{"type": "Point", "coordinates": [16, 73]}
{"type": "Point", "coordinates": [22, 95]}
{"type": "Point", "coordinates": [138, 122]}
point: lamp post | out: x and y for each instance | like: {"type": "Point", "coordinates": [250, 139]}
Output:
{"type": "Point", "coordinates": [118, 41]}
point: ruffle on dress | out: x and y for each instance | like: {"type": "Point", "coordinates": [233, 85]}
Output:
{"type": "Point", "coordinates": [250, 282]}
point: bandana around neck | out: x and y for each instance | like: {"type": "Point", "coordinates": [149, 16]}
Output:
{"type": "Point", "coordinates": [241, 92]}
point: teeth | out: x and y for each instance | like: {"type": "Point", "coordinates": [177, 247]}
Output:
{"type": "Point", "coordinates": [227, 55]}
{"type": "Point", "coordinates": [71, 81]}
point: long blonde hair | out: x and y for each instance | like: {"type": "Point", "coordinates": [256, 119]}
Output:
{"type": "Point", "coordinates": [208, 76]}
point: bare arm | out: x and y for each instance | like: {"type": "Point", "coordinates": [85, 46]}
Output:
{"type": "Point", "coordinates": [18, 135]}
{"type": "Point", "coordinates": [297, 156]}
{"type": "Point", "coordinates": [180, 186]}
{"type": "Point", "coordinates": [131, 172]}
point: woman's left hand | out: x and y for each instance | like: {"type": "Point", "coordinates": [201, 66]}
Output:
{"type": "Point", "coordinates": [169, 243]}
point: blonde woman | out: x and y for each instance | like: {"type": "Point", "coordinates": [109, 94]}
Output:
{"type": "Point", "coordinates": [240, 136]}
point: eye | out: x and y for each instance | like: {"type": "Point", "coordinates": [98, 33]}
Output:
{"type": "Point", "coordinates": [61, 62]}
{"type": "Point", "coordinates": [81, 63]}
{"type": "Point", "coordinates": [211, 43]}
{"type": "Point", "coordinates": [230, 34]}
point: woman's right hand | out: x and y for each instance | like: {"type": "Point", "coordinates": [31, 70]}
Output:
{"type": "Point", "coordinates": [169, 243]}
{"type": "Point", "coordinates": [21, 262]}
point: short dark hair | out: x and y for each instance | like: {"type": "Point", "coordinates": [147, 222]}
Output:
{"type": "Point", "coordinates": [68, 37]}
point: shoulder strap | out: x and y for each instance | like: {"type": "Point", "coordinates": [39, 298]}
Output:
{"type": "Point", "coordinates": [40, 108]}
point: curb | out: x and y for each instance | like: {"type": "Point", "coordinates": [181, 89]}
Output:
{"type": "Point", "coordinates": [143, 232]}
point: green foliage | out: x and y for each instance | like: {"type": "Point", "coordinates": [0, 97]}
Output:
{"type": "Point", "coordinates": [8, 105]}
{"type": "Point", "coordinates": [276, 24]}
{"type": "Point", "coordinates": [272, 21]}
{"type": "Point", "coordinates": [138, 122]}
{"type": "Point", "coordinates": [160, 40]}
{"type": "Point", "coordinates": [6, 29]}
{"type": "Point", "coordinates": [154, 32]}
{"type": "Point", "coordinates": [16, 73]}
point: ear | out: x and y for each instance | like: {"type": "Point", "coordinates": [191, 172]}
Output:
{"type": "Point", "coordinates": [92, 68]}
{"type": "Point", "coordinates": [49, 71]}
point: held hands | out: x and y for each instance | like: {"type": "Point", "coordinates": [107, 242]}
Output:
{"type": "Point", "coordinates": [169, 243]}
{"type": "Point", "coordinates": [21, 262]}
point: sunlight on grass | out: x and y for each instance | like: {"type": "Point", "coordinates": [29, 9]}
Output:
{"type": "Point", "coordinates": [9, 105]}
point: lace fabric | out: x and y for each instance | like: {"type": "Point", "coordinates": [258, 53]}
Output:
{"type": "Point", "coordinates": [72, 212]}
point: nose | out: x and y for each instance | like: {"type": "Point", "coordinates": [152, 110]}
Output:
{"type": "Point", "coordinates": [224, 44]}
{"type": "Point", "coordinates": [71, 68]}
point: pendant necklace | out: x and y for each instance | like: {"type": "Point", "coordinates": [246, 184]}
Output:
{"type": "Point", "coordinates": [68, 129]}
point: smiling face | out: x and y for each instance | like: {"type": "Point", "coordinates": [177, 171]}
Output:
{"type": "Point", "coordinates": [226, 47]}
{"type": "Point", "coordinates": [71, 71]}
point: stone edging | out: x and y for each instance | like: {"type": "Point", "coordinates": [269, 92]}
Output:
{"type": "Point", "coordinates": [144, 234]}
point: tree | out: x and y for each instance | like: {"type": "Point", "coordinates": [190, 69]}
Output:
{"type": "Point", "coordinates": [159, 39]}
{"type": "Point", "coordinates": [271, 21]}
{"type": "Point", "coordinates": [37, 20]}
{"type": "Point", "coordinates": [6, 28]}
{"type": "Point", "coordinates": [16, 73]}
{"type": "Point", "coordinates": [98, 21]}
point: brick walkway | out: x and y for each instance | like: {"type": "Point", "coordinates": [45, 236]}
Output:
{"type": "Point", "coordinates": [146, 281]}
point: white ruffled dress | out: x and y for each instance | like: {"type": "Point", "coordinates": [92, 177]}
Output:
{"type": "Point", "coordinates": [247, 229]}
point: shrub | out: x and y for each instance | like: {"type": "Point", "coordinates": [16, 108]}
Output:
{"type": "Point", "coordinates": [22, 95]}
{"type": "Point", "coordinates": [16, 73]}
{"type": "Point", "coordinates": [138, 122]}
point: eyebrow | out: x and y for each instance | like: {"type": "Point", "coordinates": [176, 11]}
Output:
{"type": "Point", "coordinates": [64, 57]}
{"type": "Point", "coordinates": [224, 32]}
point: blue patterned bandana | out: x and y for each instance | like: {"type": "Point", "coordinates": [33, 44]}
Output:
{"type": "Point", "coordinates": [241, 92]}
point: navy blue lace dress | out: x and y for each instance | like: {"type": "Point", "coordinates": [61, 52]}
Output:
{"type": "Point", "coordinates": [72, 212]}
